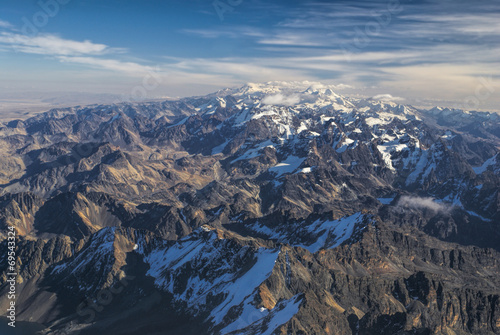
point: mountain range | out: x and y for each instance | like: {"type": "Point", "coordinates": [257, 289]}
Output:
{"type": "Point", "coordinates": [273, 208]}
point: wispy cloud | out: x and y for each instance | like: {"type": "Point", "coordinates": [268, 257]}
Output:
{"type": "Point", "coordinates": [66, 50]}
{"type": "Point", "coordinates": [48, 44]}
{"type": "Point", "coordinates": [422, 203]}
{"type": "Point", "coordinates": [386, 97]}
{"type": "Point", "coordinates": [235, 32]}
{"type": "Point", "coordinates": [70, 51]}
{"type": "Point", "coordinates": [280, 99]}
{"type": "Point", "coordinates": [110, 64]}
{"type": "Point", "coordinates": [242, 69]}
{"type": "Point", "coordinates": [293, 39]}
{"type": "Point", "coordinates": [5, 24]}
{"type": "Point", "coordinates": [472, 24]}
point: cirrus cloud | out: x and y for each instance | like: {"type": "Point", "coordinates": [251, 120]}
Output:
{"type": "Point", "coordinates": [110, 64]}
{"type": "Point", "coordinates": [49, 44]}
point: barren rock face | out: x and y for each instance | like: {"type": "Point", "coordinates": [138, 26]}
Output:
{"type": "Point", "coordinates": [225, 215]}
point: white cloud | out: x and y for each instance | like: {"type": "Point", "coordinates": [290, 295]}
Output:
{"type": "Point", "coordinates": [422, 203]}
{"type": "Point", "coordinates": [291, 38]}
{"type": "Point", "coordinates": [386, 97]}
{"type": "Point", "coordinates": [70, 51]}
{"type": "Point", "coordinates": [463, 24]}
{"type": "Point", "coordinates": [343, 87]}
{"type": "Point", "coordinates": [280, 99]}
{"type": "Point", "coordinates": [110, 64]}
{"type": "Point", "coordinates": [212, 33]}
{"type": "Point", "coordinates": [457, 83]}
{"type": "Point", "coordinates": [48, 44]}
{"type": "Point", "coordinates": [235, 32]}
{"type": "Point", "coordinates": [5, 24]}
{"type": "Point", "coordinates": [240, 69]}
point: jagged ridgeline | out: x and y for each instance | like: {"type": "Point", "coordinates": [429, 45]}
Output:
{"type": "Point", "coordinates": [278, 208]}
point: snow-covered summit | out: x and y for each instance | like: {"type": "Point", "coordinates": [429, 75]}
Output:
{"type": "Point", "coordinates": [314, 95]}
{"type": "Point", "coordinates": [304, 95]}
{"type": "Point", "coordinates": [284, 87]}
{"type": "Point", "coordinates": [286, 103]}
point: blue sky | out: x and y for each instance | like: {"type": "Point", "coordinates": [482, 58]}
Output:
{"type": "Point", "coordinates": [429, 52]}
